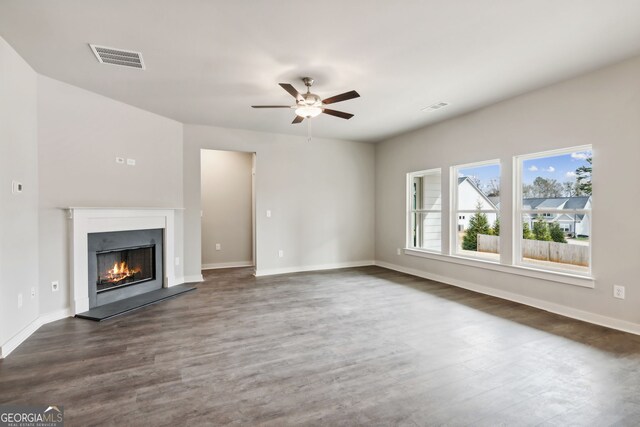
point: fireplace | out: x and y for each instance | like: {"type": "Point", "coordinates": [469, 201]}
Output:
{"type": "Point", "coordinates": [123, 264]}
{"type": "Point", "coordinates": [125, 267]}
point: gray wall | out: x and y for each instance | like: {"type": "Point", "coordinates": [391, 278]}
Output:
{"type": "Point", "coordinates": [321, 195]}
{"type": "Point", "coordinates": [601, 108]}
{"type": "Point", "coordinates": [18, 213]}
{"type": "Point", "coordinates": [80, 134]}
{"type": "Point", "coordinates": [226, 208]}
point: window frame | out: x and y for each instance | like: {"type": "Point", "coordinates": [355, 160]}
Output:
{"type": "Point", "coordinates": [454, 212]}
{"type": "Point", "coordinates": [518, 212]}
{"type": "Point", "coordinates": [410, 211]}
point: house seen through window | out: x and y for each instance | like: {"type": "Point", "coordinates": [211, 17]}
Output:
{"type": "Point", "coordinates": [476, 228]}
{"type": "Point", "coordinates": [425, 210]}
{"type": "Point", "coordinates": [554, 210]}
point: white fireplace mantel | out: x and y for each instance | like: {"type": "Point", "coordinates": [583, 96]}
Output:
{"type": "Point", "coordinates": [85, 220]}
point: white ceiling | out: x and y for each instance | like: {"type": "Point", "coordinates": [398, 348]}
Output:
{"type": "Point", "coordinates": [208, 61]}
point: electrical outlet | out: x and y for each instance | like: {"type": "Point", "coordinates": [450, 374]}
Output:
{"type": "Point", "coordinates": [120, 160]}
{"type": "Point", "coordinates": [55, 286]}
{"type": "Point", "coordinates": [399, 251]}
{"type": "Point", "coordinates": [218, 246]}
{"type": "Point", "coordinates": [19, 300]}
{"type": "Point", "coordinates": [177, 260]}
{"type": "Point", "coordinates": [618, 292]}
{"type": "Point", "coordinates": [33, 292]}
{"type": "Point", "coordinates": [268, 214]}
{"type": "Point", "coordinates": [281, 253]}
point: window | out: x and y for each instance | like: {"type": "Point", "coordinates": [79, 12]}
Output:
{"type": "Point", "coordinates": [553, 210]}
{"type": "Point", "coordinates": [424, 210]}
{"type": "Point", "coordinates": [476, 200]}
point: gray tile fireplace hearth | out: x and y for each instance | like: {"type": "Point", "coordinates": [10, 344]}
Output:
{"type": "Point", "coordinates": [108, 311]}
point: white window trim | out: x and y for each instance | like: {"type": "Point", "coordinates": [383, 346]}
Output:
{"type": "Point", "coordinates": [453, 208]}
{"type": "Point", "coordinates": [410, 211]}
{"type": "Point", "coordinates": [518, 262]}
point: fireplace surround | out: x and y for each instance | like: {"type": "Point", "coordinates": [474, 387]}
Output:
{"type": "Point", "coordinates": [123, 264]}
{"type": "Point", "coordinates": [86, 221]}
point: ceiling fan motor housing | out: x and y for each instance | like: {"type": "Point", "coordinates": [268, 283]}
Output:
{"type": "Point", "coordinates": [310, 99]}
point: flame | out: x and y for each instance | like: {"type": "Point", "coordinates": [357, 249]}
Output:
{"type": "Point", "coordinates": [121, 271]}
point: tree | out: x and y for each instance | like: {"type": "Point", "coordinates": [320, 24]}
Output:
{"type": "Point", "coordinates": [478, 224]}
{"type": "Point", "coordinates": [496, 227]}
{"type": "Point", "coordinates": [571, 189]}
{"type": "Point", "coordinates": [493, 188]}
{"type": "Point", "coordinates": [583, 174]}
{"type": "Point", "coordinates": [546, 187]}
{"type": "Point", "coordinates": [556, 233]}
{"type": "Point", "coordinates": [527, 191]}
{"type": "Point", "coordinates": [541, 230]}
{"type": "Point", "coordinates": [526, 231]}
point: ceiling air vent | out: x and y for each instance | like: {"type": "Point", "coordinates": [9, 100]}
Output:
{"type": "Point", "coordinates": [125, 58]}
{"type": "Point", "coordinates": [435, 107]}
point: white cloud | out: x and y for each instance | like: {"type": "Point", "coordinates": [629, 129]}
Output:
{"type": "Point", "coordinates": [582, 155]}
{"type": "Point", "coordinates": [533, 168]}
{"type": "Point", "coordinates": [549, 169]}
{"type": "Point", "coordinates": [570, 174]}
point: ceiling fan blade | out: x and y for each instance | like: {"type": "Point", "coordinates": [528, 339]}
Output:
{"type": "Point", "coordinates": [271, 106]}
{"type": "Point", "coordinates": [292, 90]}
{"type": "Point", "coordinates": [340, 114]}
{"type": "Point", "coordinates": [342, 97]}
{"type": "Point", "coordinates": [297, 120]}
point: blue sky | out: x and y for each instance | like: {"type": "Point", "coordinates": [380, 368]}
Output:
{"type": "Point", "coordinates": [484, 173]}
{"type": "Point", "coordinates": [561, 168]}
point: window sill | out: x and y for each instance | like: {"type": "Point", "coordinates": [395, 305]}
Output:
{"type": "Point", "coordinates": [552, 276]}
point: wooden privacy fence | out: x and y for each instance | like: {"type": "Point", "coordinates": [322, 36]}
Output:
{"type": "Point", "coordinates": [488, 243]}
{"type": "Point", "coordinates": [538, 249]}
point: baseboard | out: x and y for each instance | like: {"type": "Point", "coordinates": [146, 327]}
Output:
{"type": "Point", "coordinates": [235, 264]}
{"type": "Point", "coordinates": [25, 333]}
{"type": "Point", "coordinates": [192, 279]}
{"type": "Point", "coordinates": [56, 315]}
{"type": "Point", "coordinates": [299, 269]}
{"type": "Point", "coordinates": [563, 310]}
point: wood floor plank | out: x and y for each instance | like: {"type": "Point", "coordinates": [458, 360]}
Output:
{"type": "Point", "coordinates": [358, 346]}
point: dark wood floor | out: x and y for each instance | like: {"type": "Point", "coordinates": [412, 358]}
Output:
{"type": "Point", "coordinates": [361, 346]}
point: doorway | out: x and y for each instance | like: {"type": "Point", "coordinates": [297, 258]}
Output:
{"type": "Point", "coordinates": [227, 185]}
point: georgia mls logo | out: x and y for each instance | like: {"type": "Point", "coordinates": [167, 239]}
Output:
{"type": "Point", "coordinates": [31, 416]}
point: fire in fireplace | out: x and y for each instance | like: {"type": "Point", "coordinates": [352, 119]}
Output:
{"type": "Point", "coordinates": [126, 266]}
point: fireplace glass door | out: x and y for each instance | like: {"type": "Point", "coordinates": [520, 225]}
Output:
{"type": "Point", "coordinates": [126, 266]}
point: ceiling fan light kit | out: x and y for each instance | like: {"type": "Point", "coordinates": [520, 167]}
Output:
{"type": "Point", "coordinates": [309, 105]}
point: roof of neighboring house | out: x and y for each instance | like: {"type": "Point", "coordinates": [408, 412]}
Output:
{"type": "Point", "coordinates": [539, 203]}
{"type": "Point", "coordinates": [576, 202]}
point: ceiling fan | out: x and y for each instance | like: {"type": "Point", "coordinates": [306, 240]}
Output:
{"type": "Point", "coordinates": [310, 105]}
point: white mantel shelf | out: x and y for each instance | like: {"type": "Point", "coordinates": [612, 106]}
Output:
{"type": "Point", "coordinates": [86, 220]}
